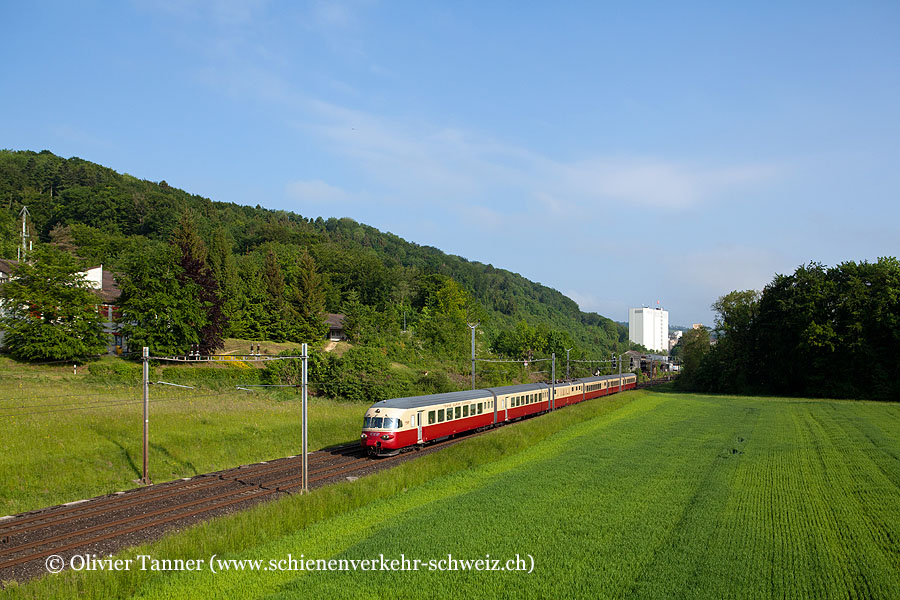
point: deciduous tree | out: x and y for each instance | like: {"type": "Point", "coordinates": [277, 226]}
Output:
{"type": "Point", "coordinates": [50, 311]}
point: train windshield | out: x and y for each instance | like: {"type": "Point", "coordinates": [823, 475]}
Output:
{"type": "Point", "coordinates": [381, 423]}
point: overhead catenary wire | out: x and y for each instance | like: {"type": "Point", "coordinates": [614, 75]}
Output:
{"type": "Point", "coordinates": [108, 405]}
{"type": "Point", "coordinates": [221, 358]}
{"type": "Point", "coordinates": [501, 360]}
{"type": "Point", "coordinates": [599, 360]}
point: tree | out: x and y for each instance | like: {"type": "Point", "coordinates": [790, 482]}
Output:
{"type": "Point", "coordinates": [50, 311]}
{"type": "Point", "coordinates": [736, 315]}
{"type": "Point", "coordinates": [225, 271]}
{"type": "Point", "coordinates": [444, 322]}
{"type": "Point", "coordinates": [278, 315]}
{"type": "Point", "coordinates": [309, 300]}
{"type": "Point", "coordinates": [274, 280]}
{"type": "Point", "coordinates": [159, 305]}
{"type": "Point", "coordinates": [695, 348]}
{"type": "Point", "coordinates": [194, 268]}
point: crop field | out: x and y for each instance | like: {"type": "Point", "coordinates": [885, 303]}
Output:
{"type": "Point", "coordinates": [647, 495]}
{"type": "Point", "coordinates": [66, 437]}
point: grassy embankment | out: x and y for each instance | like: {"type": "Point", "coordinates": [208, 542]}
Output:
{"type": "Point", "coordinates": [74, 435]}
{"type": "Point", "coordinates": [71, 436]}
{"type": "Point", "coordinates": [642, 495]}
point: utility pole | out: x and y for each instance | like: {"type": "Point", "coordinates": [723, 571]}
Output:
{"type": "Point", "coordinates": [146, 372]}
{"type": "Point", "coordinates": [553, 385]}
{"type": "Point", "coordinates": [567, 363]}
{"type": "Point", "coordinates": [304, 475]}
{"type": "Point", "coordinates": [24, 214]}
{"type": "Point", "coordinates": [472, 327]}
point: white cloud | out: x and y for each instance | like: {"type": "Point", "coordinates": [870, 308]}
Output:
{"type": "Point", "coordinates": [332, 14]}
{"type": "Point", "coordinates": [316, 191]}
{"type": "Point", "coordinates": [724, 268]}
{"type": "Point", "coordinates": [227, 13]}
{"type": "Point", "coordinates": [657, 183]}
{"type": "Point", "coordinates": [451, 163]}
{"type": "Point", "coordinates": [612, 307]}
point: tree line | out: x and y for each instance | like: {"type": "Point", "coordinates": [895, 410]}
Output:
{"type": "Point", "coordinates": [819, 332]}
{"type": "Point", "coordinates": [193, 271]}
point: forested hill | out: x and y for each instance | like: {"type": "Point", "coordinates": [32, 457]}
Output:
{"type": "Point", "coordinates": [257, 254]}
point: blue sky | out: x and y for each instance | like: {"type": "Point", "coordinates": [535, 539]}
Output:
{"type": "Point", "coordinates": [622, 153]}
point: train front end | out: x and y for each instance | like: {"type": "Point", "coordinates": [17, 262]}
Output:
{"type": "Point", "coordinates": [382, 432]}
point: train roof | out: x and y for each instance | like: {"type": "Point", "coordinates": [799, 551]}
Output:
{"type": "Point", "coordinates": [419, 401]}
{"type": "Point", "coordinates": [516, 389]}
{"type": "Point", "coordinates": [604, 377]}
{"type": "Point", "coordinates": [447, 397]}
{"type": "Point", "coordinates": [481, 394]}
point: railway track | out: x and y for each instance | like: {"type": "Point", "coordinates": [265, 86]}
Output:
{"type": "Point", "coordinates": [103, 525]}
{"type": "Point", "coordinates": [107, 524]}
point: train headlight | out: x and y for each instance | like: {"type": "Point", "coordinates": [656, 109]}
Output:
{"type": "Point", "coordinates": [363, 436]}
{"type": "Point", "coordinates": [387, 436]}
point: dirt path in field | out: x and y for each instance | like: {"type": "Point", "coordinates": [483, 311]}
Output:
{"type": "Point", "coordinates": [330, 346]}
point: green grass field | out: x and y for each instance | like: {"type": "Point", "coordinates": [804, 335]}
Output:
{"type": "Point", "coordinates": [643, 495]}
{"type": "Point", "coordinates": [67, 438]}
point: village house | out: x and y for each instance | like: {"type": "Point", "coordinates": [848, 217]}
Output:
{"type": "Point", "coordinates": [104, 286]}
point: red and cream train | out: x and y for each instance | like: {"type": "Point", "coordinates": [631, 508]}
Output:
{"type": "Point", "coordinates": [401, 423]}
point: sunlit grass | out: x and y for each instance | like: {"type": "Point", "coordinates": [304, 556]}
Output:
{"type": "Point", "coordinates": [640, 495]}
{"type": "Point", "coordinates": [67, 437]}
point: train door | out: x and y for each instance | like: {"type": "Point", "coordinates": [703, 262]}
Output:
{"type": "Point", "coordinates": [419, 416]}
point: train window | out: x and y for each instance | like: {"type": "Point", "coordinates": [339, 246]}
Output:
{"type": "Point", "coordinates": [441, 416]}
{"type": "Point", "coordinates": [480, 407]}
{"type": "Point", "coordinates": [431, 417]}
{"type": "Point", "coordinates": [465, 411]}
{"type": "Point", "coordinates": [458, 412]}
